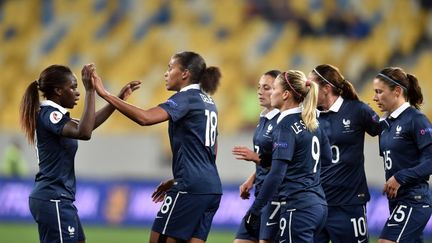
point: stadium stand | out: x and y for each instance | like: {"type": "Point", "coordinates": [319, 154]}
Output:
{"type": "Point", "coordinates": [131, 39]}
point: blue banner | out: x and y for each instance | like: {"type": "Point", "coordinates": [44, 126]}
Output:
{"type": "Point", "coordinates": [129, 203]}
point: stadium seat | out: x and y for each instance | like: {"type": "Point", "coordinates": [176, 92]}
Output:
{"type": "Point", "coordinates": [134, 40]}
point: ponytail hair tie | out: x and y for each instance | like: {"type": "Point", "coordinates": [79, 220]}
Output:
{"type": "Point", "coordinates": [308, 83]}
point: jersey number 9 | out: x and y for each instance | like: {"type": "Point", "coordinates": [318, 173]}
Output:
{"type": "Point", "coordinates": [315, 152]}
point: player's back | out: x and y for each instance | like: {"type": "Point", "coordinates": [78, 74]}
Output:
{"type": "Point", "coordinates": [193, 135]}
{"type": "Point", "coordinates": [301, 185]}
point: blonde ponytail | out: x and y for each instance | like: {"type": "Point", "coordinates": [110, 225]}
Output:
{"type": "Point", "coordinates": [309, 115]}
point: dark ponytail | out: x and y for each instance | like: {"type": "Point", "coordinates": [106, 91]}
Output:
{"type": "Point", "coordinates": [28, 111]}
{"type": "Point", "coordinates": [210, 79]}
{"type": "Point", "coordinates": [415, 96]}
{"type": "Point", "coordinates": [348, 90]}
{"type": "Point", "coordinates": [329, 74]}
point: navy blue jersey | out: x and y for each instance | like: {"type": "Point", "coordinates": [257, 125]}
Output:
{"type": "Point", "coordinates": [193, 137]}
{"type": "Point", "coordinates": [302, 150]}
{"type": "Point", "coordinates": [56, 154]}
{"type": "Point", "coordinates": [263, 145]}
{"type": "Point", "coordinates": [405, 145]}
{"type": "Point", "coordinates": [343, 179]}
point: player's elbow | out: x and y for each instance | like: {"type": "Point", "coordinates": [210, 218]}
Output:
{"type": "Point", "coordinates": [143, 122]}
{"type": "Point", "coordinates": [85, 137]}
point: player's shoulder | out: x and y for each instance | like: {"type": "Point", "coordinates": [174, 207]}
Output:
{"type": "Point", "coordinates": [53, 113]}
{"type": "Point", "coordinates": [414, 116]}
{"type": "Point", "coordinates": [177, 99]}
{"type": "Point", "coordinates": [47, 108]}
{"type": "Point", "coordinates": [288, 120]}
{"type": "Point", "coordinates": [357, 104]}
{"type": "Point", "coordinates": [411, 114]}
{"type": "Point", "coordinates": [414, 112]}
{"type": "Point", "coordinates": [192, 95]}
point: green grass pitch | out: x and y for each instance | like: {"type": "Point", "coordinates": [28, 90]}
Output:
{"type": "Point", "coordinates": [27, 233]}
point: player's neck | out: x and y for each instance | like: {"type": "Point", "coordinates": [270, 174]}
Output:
{"type": "Point", "coordinates": [331, 99]}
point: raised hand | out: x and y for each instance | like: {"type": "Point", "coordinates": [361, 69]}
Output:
{"type": "Point", "coordinates": [160, 191]}
{"type": "Point", "coordinates": [127, 90]}
{"type": "Point", "coordinates": [100, 89]}
{"type": "Point", "coordinates": [243, 153]}
{"type": "Point", "coordinates": [86, 76]}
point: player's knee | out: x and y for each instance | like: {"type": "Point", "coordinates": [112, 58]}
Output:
{"type": "Point", "coordinates": [385, 241]}
{"type": "Point", "coordinates": [162, 239]}
{"type": "Point", "coordinates": [166, 239]}
{"type": "Point", "coordinates": [154, 237]}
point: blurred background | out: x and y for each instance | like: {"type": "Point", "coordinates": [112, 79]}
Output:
{"type": "Point", "coordinates": [134, 40]}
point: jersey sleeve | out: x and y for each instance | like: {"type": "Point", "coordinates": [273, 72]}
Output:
{"type": "Point", "coordinates": [283, 144]}
{"type": "Point", "coordinates": [422, 134]}
{"type": "Point", "coordinates": [177, 106]}
{"type": "Point", "coordinates": [326, 154]}
{"type": "Point", "coordinates": [265, 159]}
{"type": "Point", "coordinates": [422, 170]}
{"type": "Point", "coordinates": [422, 131]}
{"type": "Point", "coordinates": [53, 120]}
{"type": "Point", "coordinates": [270, 185]}
{"type": "Point", "coordinates": [370, 120]}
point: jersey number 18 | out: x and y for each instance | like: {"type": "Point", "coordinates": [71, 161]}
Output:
{"type": "Point", "coordinates": [211, 125]}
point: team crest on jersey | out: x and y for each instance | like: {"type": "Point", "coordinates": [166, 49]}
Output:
{"type": "Point", "coordinates": [71, 230]}
{"type": "Point", "coordinates": [269, 129]}
{"type": "Point", "coordinates": [398, 132]}
{"type": "Point", "coordinates": [347, 125]}
{"type": "Point", "coordinates": [55, 117]}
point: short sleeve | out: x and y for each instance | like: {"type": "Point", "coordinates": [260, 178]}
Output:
{"type": "Point", "coordinates": [422, 131]}
{"type": "Point", "coordinates": [177, 106]}
{"type": "Point", "coordinates": [326, 154]}
{"type": "Point", "coordinates": [53, 120]}
{"type": "Point", "coordinates": [370, 120]}
{"type": "Point", "coordinates": [283, 144]}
